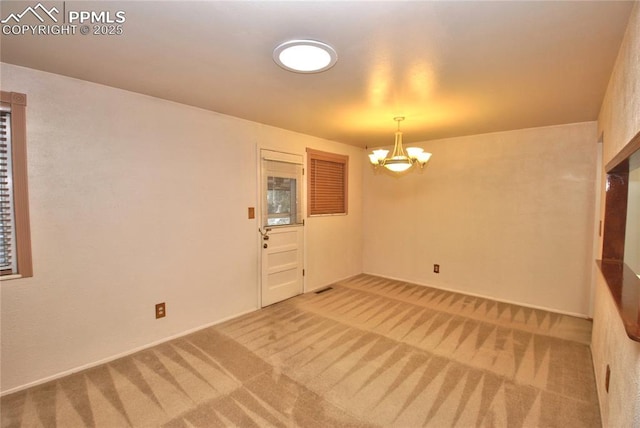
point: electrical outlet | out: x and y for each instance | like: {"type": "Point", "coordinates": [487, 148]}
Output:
{"type": "Point", "coordinates": [161, 310]}
{"type": "Point", "coordinates": [436, 268]}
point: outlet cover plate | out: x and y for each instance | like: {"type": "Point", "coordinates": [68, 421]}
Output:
{"type": "Point", "coordinates": [161, 310]}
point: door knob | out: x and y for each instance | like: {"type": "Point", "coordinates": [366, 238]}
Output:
{"type": "Point", "coordinates": [265, 245]}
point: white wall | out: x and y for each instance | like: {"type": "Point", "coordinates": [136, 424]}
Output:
{"type": "Point", "coordinates": [506, 215]}
{"type": "Point", "coordinates": [618, 122]}
{"type": "Point", "coordinates": [136, 200]}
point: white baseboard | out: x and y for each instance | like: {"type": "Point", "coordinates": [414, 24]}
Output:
{"type": "Point", "coordinates": [120, 355]}
{"type": "Point", "coordinates": [484, 296]}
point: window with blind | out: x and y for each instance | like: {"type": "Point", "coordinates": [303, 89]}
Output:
{"type": "Point", "coordinates": [15, 237]}
{"type": "Point", "coordinates": [7, 231]}
{"type": "Point", "coordinates": [327, 183]}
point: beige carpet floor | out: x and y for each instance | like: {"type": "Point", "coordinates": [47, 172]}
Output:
{"type": "Point", "coordinates": [369, 352]}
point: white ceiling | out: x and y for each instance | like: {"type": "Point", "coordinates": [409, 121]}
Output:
{"type": "Point", "coordinates": [452, 68]}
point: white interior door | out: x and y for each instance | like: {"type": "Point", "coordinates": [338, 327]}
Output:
{"type": "Point", "coordinates": [282, 233]}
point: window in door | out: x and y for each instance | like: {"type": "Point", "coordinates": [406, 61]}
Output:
{"type": "Point", "coordinates": [283, 191]}
{"type": "Point", "coordinates": [281, 201]}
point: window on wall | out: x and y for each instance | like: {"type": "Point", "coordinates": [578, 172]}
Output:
{"type": "Point", "coordinates": [15, 236]}
{"type": "Point", "coordinates": [327, 183]}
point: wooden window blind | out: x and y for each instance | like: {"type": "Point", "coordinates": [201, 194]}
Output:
{"type": "Point", "coordinates": [327, 183]}
{"type": "Point", "coordinates": [15, 232]}
{"type": "Point", "coordinates": [7, 231]}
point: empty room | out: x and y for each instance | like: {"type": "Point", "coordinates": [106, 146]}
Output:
{"type": "Point", "coordinates": [319, 213]}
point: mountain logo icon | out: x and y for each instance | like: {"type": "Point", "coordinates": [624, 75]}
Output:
{"type": "Point", "coordinates": [38, 11]}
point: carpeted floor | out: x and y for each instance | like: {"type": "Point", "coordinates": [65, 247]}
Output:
{"type": "Point", "coordinates": [369, 352]}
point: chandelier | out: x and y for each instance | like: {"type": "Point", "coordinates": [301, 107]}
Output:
{"type": "Point", "coordinates": [399, 161]}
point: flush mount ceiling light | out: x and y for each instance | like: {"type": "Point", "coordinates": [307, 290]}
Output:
{"type": "Point", "coordinates": [305, 56]}
{"type": "Point", "coordinates": [399, 161]}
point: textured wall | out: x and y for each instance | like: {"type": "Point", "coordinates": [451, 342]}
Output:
{"type": "Point", "coordinates": [619, 118]}
{"type": "Point", "coordinates": [135, 200]}
{"type": "Point", "coordinates": [619, 121]}
{"type": "Point", "coordinates": [507, 215]}
{"type": "Point", "coordinates": [620, 407]}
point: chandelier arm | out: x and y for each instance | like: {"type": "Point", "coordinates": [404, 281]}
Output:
{"type": "Point", "coordinates": [395, 147]}
{"type": "Point", "coordinates": [398, 150]}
